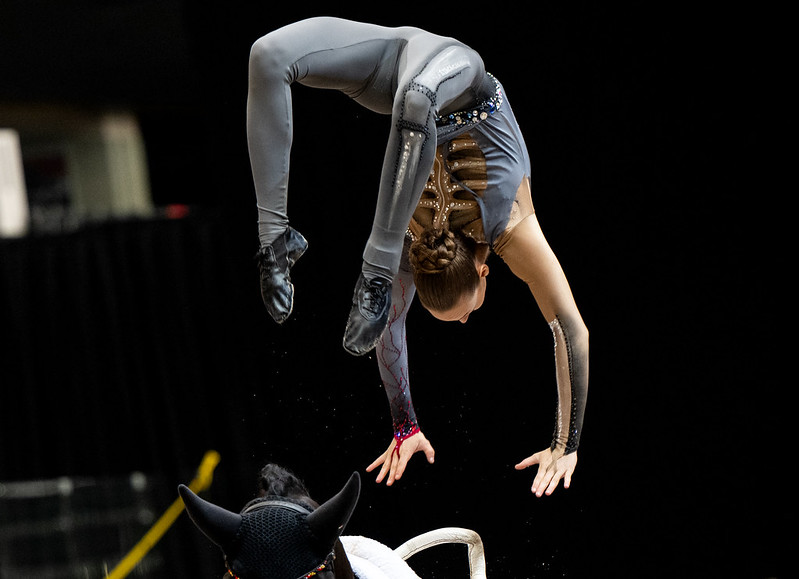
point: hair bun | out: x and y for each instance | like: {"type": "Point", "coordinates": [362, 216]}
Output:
{"type": "Point", "coordinates": [433, 251]}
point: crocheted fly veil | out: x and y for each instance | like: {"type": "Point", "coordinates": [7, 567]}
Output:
{"type": "Point", "coordinates": [275, 537]}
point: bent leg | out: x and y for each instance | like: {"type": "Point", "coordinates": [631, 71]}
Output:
{"type": "Point", "coordinates": [450, 76]}
{"type": "Point", "coordinates": [453, 75]}
{"type": "Point", "coordinates": [269, 135]}
{"type": "Point", "coordinates": [320, 52]}
{"type": "Point", "coordinates": [410, 155]}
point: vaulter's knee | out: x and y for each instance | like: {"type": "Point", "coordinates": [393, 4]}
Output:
{"type": "Point", "coordinates": [417, 108]}
{"type": "Point", "coordinates": [267, 57]}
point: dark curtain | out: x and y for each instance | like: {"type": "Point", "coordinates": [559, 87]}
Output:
{"type": "Point", "coordinates": [112, 334]}
{"type": "Point", "coordinates": [125, 347]}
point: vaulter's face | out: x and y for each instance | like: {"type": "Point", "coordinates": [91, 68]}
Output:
{"type": "Point", "coordinates": [468, 303]}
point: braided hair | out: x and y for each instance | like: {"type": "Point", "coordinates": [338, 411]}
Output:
{"type": "Point", "coordinates": [443, 264]}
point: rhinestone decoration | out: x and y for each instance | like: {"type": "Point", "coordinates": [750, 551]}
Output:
{"type": "Point", "coordinates": [458, 175]}
{"type": "Point", "coordinates": [479, 113]}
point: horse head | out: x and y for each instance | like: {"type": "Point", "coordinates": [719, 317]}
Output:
{"type": "Point", "coordinates": [280, 534]}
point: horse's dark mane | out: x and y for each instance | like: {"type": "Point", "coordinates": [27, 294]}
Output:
{"type": "Point", "coordinates": [279, 481]}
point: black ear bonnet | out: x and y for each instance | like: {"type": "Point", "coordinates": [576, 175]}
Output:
{"type": "Point", "coordinates": [275, 536]}
{"type": "Point", "coordinates": [274, 540]}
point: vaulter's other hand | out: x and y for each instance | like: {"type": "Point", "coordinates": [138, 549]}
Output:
{"type": "Point", "coordinates": [394, 463]}
{"type": "Point", "coordinates": [552, 467]}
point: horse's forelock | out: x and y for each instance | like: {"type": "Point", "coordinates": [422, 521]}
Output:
{"type": "Point", "coordinates": [280, 481]}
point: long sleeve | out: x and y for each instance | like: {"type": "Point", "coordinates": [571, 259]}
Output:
{"type": "Point", "coordinates": [392, 357]}
{"type": "Point", "coordinates": [571, 367]}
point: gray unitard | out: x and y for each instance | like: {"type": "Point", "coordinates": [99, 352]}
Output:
{"type": "Point", "coordinates": [417, 78]}
{"type": "Point", "coordinates": [406, 72]}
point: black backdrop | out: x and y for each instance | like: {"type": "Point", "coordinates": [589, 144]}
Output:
{"type": "Point", "coordinates": [140, 345]}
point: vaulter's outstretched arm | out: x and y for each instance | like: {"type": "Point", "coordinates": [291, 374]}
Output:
{"type": "Point", "coordinates": [530, 257]}
{"type": "Point", "coordinates": [392, 357]}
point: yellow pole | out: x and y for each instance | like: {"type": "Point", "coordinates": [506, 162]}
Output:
{"type": "Point", "coordinates": [202, 481]}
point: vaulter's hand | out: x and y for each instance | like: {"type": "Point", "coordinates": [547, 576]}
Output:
{"type": "Point", "coordinates": [552, 467]}
{"type": "Point", "coordinates": [394, 462]}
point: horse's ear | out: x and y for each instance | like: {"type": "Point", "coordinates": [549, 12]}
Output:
{"type": "Point", "coordinates": [329, 520]}
{"type": "Point", "coordinates": [218, 524]}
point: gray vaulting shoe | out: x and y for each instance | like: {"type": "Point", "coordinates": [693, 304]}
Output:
{"type": "Point", "coordinates": [274, 263]}
{"type": "Point", "coordinates": [368, 315]}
